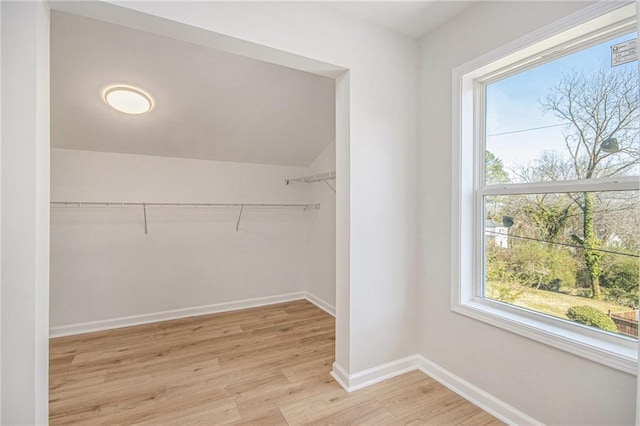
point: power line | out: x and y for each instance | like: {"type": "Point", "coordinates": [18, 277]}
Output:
{"type": "Point", "coordinates": [526, 130]}
{"type": "Point", "coordinates": [560, 244]}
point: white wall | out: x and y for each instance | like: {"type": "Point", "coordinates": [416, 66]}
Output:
{"type": "Point", "coordinates": [103, 265]}
{"type": "Point", "coordinates": [378, 322]}
{"type": "Point", "coordinates": [322, 236]}
{"type": "Point", "coordinates": [25, 212]}
{"type": "Point", "coordinates": [548, 384]}
{"type": "Point", "coordinates": [1, 137]}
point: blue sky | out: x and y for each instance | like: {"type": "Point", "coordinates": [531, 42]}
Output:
{"type": "Point", "coordinates": [513, 104]}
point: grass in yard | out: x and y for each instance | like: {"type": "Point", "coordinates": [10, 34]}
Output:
{"type": "Point", "coordinates": [547, 302]}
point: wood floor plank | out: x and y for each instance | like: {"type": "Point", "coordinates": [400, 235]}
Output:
{"type": "Point", "coordinates": [309, 368]}
{"type": "Point", "coordinates": [271, 417]}
{"type": "Point", "coordinates": [367, 413]}
{"type": "Point", "coordinates": [416, 399]}
{"type": "Point", "coordinates": [324, 405]}
{"type": "Point", "coordinates": [262, 366]}
{"type": "Point", "coordinates": [272, 396]}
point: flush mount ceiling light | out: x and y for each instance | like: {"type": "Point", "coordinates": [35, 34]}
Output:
{"type": "Point", "coordinates": [127, 99]}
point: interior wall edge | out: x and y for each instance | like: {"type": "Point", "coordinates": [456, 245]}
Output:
{"type": "Point", "coordinates": [110, 324]}
{"type": "Point", "coordinates": [25, 224]}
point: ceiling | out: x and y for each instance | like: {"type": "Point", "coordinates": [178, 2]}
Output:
{"type": "Point", "coordinates": [208, 104]}
{"type": "Point", "coordinates": [414, 19]}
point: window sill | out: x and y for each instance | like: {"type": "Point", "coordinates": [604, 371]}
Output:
{"type": "Point", "coordinates": [612, 350]}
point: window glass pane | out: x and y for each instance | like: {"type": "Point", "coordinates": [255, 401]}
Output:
{"type": "Point", "coordinates": [570, 255]}
{"type": "Point", "coordinates": [575, 117]}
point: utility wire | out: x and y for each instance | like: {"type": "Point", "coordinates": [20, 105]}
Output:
{"type": "Point", "coordinates": [526, 130]}
{"type": "Point", "coordinates": [561, 244]}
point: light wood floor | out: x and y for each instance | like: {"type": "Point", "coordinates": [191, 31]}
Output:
{"type": "Point", "coordinates": [266, 366]}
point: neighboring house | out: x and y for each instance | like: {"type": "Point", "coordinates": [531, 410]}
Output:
{"type": "Point", "coordinates": [496, 232]}
{"type": "Point", "coordinates": [614, 240]}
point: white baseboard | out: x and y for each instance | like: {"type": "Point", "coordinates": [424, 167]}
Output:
{"type": "Point", "coordinates": [341, 375]}
{"type": "Point", "coordinates": [370, 376]}
{"type": "Point", "coordinates": [88, 327]}
{"type": "Point", "coordinates": [475, 395]}
{"type": "Point", "coordinates": [330, 309]}
{"type": "Point", "coordinates": [470, 392]}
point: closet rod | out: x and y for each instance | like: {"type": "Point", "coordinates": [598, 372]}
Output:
{"type": "Point", "coordinates": [320, 177]}
{"type": "Point", "coordinates": [84, 204]}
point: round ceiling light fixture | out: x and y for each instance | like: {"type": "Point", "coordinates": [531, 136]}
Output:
{"type": "Point", "coordinates": [127, 99]}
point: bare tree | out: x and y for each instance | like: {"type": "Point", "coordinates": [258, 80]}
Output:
{"type": "Point", "coordinates": [549, 166]}
{"type": "Point", "coordinates": [601, 111]}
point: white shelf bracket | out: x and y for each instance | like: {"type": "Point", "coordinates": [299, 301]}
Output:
{"type": "Point", "coordinates": [144, 213]}
{"type": "Point", "coordinates": [239, 217]}
{"type": "Point", "coordinates": [329, 185]}
{"type": "Point", "coordinates": [320, 177]}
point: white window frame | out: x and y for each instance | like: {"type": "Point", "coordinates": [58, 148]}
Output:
{"type": "Point", "coordinates": [587, 27]}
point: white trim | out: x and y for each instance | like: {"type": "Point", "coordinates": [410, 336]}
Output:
{"type": "Point", "coordinates": [478, 397]}
{"type": "Point", "coordinates": [340, 375]}
{"type": "Point", "coordinates": [330, 309]}
{"type": "Point", "coordinates": [371, 376]}
{"type": "Point", "coordinates": [468, 391]}
{"type": "Point", "coordinates": [621, 183]}
{"type": "Point", "coordinates": [87, 327]}
{"type": "Point", "coordinates": [588, 13]}
{"type": "Point", "coordinates": [612, 350]}
{"type": "Point", "coordinates": [380, 373]}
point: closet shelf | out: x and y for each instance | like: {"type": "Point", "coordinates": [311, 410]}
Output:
{"type": "Point", "coordinates": [88, 204]}
{"type": "Point", "coordinates": [144, 206]}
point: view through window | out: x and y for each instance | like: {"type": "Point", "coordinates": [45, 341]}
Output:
{"type": "Point", "coordinates": [568, 252]}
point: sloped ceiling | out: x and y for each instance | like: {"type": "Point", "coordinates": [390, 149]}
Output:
{"type": "Point", "coordinates": [208, 104]}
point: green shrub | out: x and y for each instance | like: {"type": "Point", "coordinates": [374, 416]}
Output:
{"type": "Point", "coordinates": [621, 297]}
{"type": "Point", "coordinates": [621, 273]}
{"type": "Point", "coordinates": [619, 280]}
{"type": "Point", "coordinates": [543, 267]}
{"type": "Point", "coordinates": [589, 315]}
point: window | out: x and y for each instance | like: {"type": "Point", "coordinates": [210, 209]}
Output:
{"type": "Point", "coordinates": [546, 162]}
